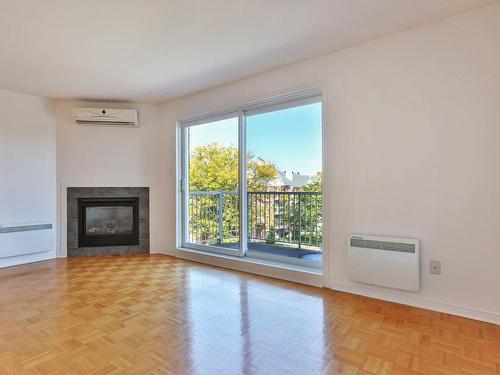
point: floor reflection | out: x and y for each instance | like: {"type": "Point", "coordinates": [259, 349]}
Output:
{"type": "Point", "coordinates": [155, 314]}
{"type": "Point", "coordinates": [248, 326]}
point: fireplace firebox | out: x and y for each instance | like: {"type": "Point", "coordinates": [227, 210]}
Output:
{"type": "Point", "coordinates": [108, 221]}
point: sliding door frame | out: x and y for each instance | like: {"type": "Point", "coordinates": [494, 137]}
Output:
{"type": "Point", "coordinates": [241, 111]}
{"type": "Point", "coordinates": [184, 184]}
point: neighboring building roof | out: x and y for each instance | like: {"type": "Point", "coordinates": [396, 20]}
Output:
{"type": "Point", "coordinates": [282, 180]}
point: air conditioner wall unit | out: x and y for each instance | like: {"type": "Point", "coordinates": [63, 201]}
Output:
{"type": "Point", "coordinates": [106, 116]}
{"type": "Point", "coordinates": [392, 262]}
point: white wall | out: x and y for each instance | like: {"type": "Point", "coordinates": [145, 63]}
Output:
{"type": "Point", "coordinates": [412, 141]}
{"type": "Point", "coordinates": [112, 156]}
{"type": "Point", "coordinates": [27, 165]}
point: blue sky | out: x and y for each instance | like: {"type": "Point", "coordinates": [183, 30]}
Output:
{"type": "Point", "coordinates": [290, 138]}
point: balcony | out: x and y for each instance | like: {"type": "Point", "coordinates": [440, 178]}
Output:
{"type": "Point", "coordinates": [287, 224]}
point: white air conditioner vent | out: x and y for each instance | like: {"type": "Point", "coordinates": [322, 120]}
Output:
{"type": "Point", "coordinates": [106, 116]}
{"type": "Point", "coordinates": [386, 261]}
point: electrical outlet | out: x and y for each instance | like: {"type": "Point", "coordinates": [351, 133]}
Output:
{"type": "Point", "coordinates": [435, 267]}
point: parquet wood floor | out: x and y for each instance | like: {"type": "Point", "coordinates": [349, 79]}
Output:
{"type": "Point", "coordinates": [154, 314]}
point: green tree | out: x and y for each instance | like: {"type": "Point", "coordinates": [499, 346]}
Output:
{"type": "Point", "coordinates": [313, 186]}
{"type": "Point", "coordinates": [271, 236]}
{"type": "Point", "coordinates": [259, 173]}
{"type": "Point", "coordinates": [214, 167]}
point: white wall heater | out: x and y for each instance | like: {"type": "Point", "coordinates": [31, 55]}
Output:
{"type": "Point", "coordinates": [386, 261]}
{"type": "Point", "coordinates": [27, 238]}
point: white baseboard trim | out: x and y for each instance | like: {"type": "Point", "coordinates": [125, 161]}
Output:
{"type": "Point", "coordinates": [151, 251]}
{"type": "Point", "coordinates": [255, 266]}
{"type": "Point", "coordinates": [414, 300]}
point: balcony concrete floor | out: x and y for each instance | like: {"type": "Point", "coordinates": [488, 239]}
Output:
{"type": "Point", "coordinates": [281, 250]}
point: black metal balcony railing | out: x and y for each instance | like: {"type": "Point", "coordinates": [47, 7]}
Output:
{"type": "Point", "coordinates": [273, 217]}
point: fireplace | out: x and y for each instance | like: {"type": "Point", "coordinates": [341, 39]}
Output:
{"type": "Point", "coordinates": [109, 221]}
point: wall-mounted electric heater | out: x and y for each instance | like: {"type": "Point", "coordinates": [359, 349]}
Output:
{"type": "Point", "coordinates": [25, 238]}
{"type": "Point", "coordinates": [386, 261]}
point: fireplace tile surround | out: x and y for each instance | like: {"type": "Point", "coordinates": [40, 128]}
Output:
{"type": "Point", "coordinates": [73, 193]}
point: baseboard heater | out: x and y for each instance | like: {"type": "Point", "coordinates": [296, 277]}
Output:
{"type": "Point", "coordinates": [385, 261]}
{"type": "Point", "coordinates": [24, 239]}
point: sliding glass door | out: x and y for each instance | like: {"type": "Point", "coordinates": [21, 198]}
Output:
{"type": "Point", "coordinates": [284, 172]}
{"type": "Point", "coordinates": [252, 182]}
{"type": "Point", "coordinates": [211, 192]}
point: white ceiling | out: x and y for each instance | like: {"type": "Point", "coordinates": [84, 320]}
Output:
{"type": "Point", "coordinates": [154, 50]}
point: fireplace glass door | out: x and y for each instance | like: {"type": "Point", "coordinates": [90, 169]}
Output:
{"type": "Point", "coordinates": [108, 221]}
